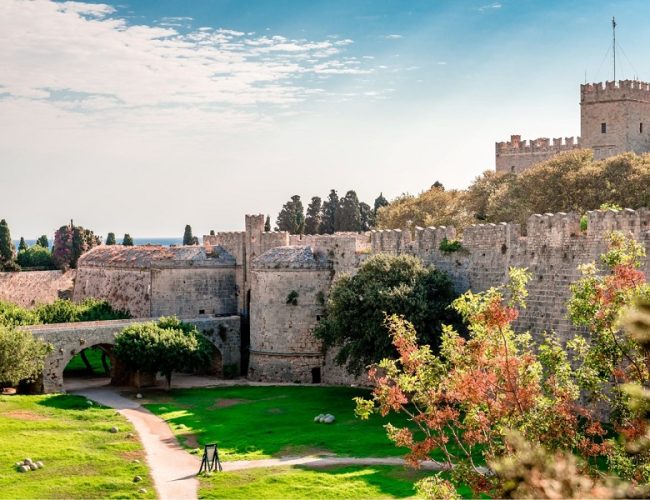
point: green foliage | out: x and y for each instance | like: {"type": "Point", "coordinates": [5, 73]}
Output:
{"type": "Point", "coordinates": [22, 246]}
{"type": "Point", "coordinates": [166, 346]}
{"type": "Point", "coordinates": [349, 214]}
{"type": "Point", "coordinates": [7, 249]}
{"type": "Point", "coordinates": [292, 298]}
{"type": "Point", "coordinates": [330, 213]}
{"type": "Point", "coordinates": [584, 223]}
{"type": "Point", "coordinates": [313, 219]}
{"type": "Point", "coordinates": [292, 218]}
{"type": "Point", "coordinates": [367, 217]}
{"type": "Point", "coordinates": [230, 371]}
{"type": "Point", "coordinates": [110, 239]}
{"type": "Point", "coordinates": [36, 256]}
{"type": "Point", "coordinates": [60, 311]}
{"type": "Point", "coordinates": [267, 225]}
{"type": "Point", "coordinates": [42, 241]}
{"type": "Point", "coordinates": [385, 284]}
{"type": "Point", "coordinates": [436, 487]}
{"type": "Point", "coordinates": [127, 241]}
{"type": "Point", "coordinates": [450, 246]}
{"type": "Point", "coordinates": [21, 356]}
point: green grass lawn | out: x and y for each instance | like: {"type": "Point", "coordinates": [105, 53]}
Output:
{"type": "Point", "coordinates": [82, 459]}
{"type": "Point", "coordinates": [76, 365]}
{"type": "Point", "coordinates": [309, 483]}
{"type": "Point", "coordinates": [252, 422]}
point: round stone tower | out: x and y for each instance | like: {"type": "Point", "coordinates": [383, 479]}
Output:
{"type": "Point", "coordinates": [288, 289]}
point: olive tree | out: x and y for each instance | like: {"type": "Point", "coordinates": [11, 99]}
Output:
{"type": "Point", "coordinates": [21, 356]}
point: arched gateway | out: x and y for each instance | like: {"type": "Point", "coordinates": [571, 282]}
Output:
{"type": "Point", "coordinates": [68, 339]}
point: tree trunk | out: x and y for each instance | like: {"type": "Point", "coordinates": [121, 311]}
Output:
{"type": "Point", "coordinates": [89, 367]}
{"type": "Point", "coordinates": [168, 377]}
{"type": "Point", "coordinates": [107, 369]}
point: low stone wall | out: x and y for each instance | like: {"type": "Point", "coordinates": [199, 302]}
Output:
{"type": "Point", "coordinates": [67, 339]}
{"type": "Point", "coordinates": [30, 288]}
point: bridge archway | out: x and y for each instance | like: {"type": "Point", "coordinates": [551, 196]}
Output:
{"type": "Point", "coordinates": [91, 366]}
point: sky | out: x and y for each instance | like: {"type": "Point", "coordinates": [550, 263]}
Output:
{"type": "Point", "coordinates": [142, 116]}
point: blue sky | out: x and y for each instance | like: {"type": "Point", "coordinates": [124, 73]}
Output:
{"type": "Point", "coordinates": [142, 116]}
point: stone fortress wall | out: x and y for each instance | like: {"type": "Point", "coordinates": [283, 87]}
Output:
{"type": "Point", "coordinates": [614, 118]}
{"type": "Point", "coordinates": [552, 249]}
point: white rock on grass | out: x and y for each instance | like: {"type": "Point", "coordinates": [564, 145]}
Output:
{"type": "Point", "coordinates": [39, 465]}
{"type": "Point", "coordinates": [138, 396]}
{"type": "Point", "coordinates": [142, 490]}
{"type": "Point", "coordinates": [114, 430]}
{"type": "Point", "coordinates": [28, 461]}
{"type": "Point", "coordinates": [317, 418]}
{"type": "Point", "coordinates": [329, 419]}
{"type": "Point", "coordinates": [24, 468]}
{"type": "Point", "coordinates": [137, 479]}
{"type": "Point", "coordinates": [33, 466]}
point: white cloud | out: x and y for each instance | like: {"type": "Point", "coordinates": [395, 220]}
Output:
{"type": "Point", "coordinates": [393, 37]}
{"type": "Point", "coordinates": [491, 6]}
{"type": "Point", "coordinates": [82, 57]}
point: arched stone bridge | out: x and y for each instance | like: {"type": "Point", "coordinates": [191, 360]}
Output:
{"type": "Point", "coordinates": [68, 339]}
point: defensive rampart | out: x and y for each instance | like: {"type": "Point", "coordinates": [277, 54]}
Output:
{"type": "Point", "coordinates": [36, 287]}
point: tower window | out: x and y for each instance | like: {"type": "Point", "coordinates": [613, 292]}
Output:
{"type": "Point", "coordinates": [641, 128]}
{"type": "Point", "coordinates": [603, 128]}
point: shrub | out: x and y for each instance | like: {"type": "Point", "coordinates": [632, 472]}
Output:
{"type": "Point", "coordinates": [292, 298]}
{"type": "Point", "coordinates": [21, 356]}
{"type": "Point", "coordinates": [36, 256]}
{"type": "Point", "coordinates": [450, 246]}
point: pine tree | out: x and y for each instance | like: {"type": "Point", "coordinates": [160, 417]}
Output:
{"type": "Point", "coordinates": [70, 242]}
{"type": "Point", "coordinates": [110, 239]}
{"type": "Point", "coordinates": [330, 213]}
{"type": "Point", "coordinates": [127, 241]}
{"type": "Point", "coordinates": [211, 232]}
{"type": "Point", "coordinates": [7, 248]}
{"type": "Point", "coordinates": [267, 224]}
{"type": "Point", "coordinates": [43, 242]}
{"type": "Point", "coordinates": [187, 235]}
{"type": "Point", "coordinates": [380, 201]}
{"type": "Point", "coordinates": [349, 218]}
{"type": "Point", "coordinates": [292, 216]}
{"type": "Point", "coordinates": [22, 246]}
{"type": "Point", "coordinates": [313, 219]}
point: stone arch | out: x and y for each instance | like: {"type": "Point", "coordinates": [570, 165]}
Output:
{"type": "Point", "coordinates": [107, 347]}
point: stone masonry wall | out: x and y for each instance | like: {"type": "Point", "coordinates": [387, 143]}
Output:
{"type": "Point", "coordinates": [68, 339]}
{"type": "Point", "coordinates": [31, 288]}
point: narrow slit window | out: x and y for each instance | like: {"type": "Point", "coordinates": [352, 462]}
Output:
{"type": "Point", "coordinates": [512, 169]}
{"type": "Point", "coordinates": [641, 128]}
{"type": "Point", "coordinates": [603, 128]}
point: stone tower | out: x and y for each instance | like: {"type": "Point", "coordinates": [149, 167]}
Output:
{"type": "Point", "coordinates": [615, 118]}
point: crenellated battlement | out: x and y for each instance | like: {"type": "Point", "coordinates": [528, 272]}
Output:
{"type": "Point", "coordinates": [540, 145]}
{"type": "Point", "coordinates": [633, 90]}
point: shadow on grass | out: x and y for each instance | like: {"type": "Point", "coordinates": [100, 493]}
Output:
{"type": "Point", "coordinates": [68, 402]}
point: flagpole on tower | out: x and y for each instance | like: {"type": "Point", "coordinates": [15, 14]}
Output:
{"type": "Point", "coordinates": [614, 44]}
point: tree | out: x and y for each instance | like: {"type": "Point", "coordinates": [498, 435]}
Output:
{"type": "Point", "coordinates": [367, 217]}
{"type": "Point", "coordinates": [22, 245]}
{"type": "Point", "coordinates": [21, 356]}
{"type": "Point", "coordinates": [127, 241]}
{"type": "Point", "coordinates": [110, 239]}
{"type": "Point", "coordinates": [466, 401]}
{"type": "Point", "coordinates": [36, 256]}
{"type": "Point", "coordinates": [292, 218]}
{"type": "Point", "coordinates": [385, 284]}
{"type": "Point", "coordinates": [330, 213]}
{"type": "Point", "coordinates": [166, 346]}
{"type": "Point", "coordinates": [267, 224]}
{"type": "Point", "coordinates": [349, 215]}
{"type": "Point", "coordinates": [43, 242]}
{"type": "Point", "coordinates": [70, 242]}
{"type": "Point", "coordinates": [188, 239]}
{"type": "Point", "coordinates": [314, 216]}
{"type": "Point", "coordinates": [7, 248]}
{"type": "Point", "coordinates": [212, 231]}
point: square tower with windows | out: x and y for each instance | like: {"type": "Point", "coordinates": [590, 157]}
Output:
{"type": "Point", "coordinates": [615, 117]}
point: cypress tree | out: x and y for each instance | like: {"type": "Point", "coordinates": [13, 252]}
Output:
{"type": "Point", "coordinates": [127, 241]}
{"type": "Point", "coordinates": [7, 249]}
{"type": "Point", "coordinates": [330, 213]}
{"type": "Point", "coordinates": [367, 219]}
{"type": "Point", "coordinates": [110, 239]}
{"type": "Point", "coordinates": [187, 235]}
{"type": "Point", "coordinates": [211, 232]}
{"type": "Point", "coordinates": [22, 246]}
{"type": "Point", "coordinates": [380, 201]}
{"type": "Point", "coordinates": [313, 219]}
{"type": "Point", "coordinates": [292, 217]}
{"type": "Point", "coordinates": [267, 224]}
{"type": "Point", "coordinates": [349, 217]}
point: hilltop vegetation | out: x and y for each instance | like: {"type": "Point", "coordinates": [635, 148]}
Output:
{"type": "Point", "coordinates": [570, 182]}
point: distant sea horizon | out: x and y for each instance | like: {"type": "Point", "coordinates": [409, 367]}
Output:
{"type": "Point", "coordinates": [163, 241]}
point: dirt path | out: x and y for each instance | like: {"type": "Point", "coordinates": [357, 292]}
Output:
{"type": "Point", "coordinates": [173, 469]}
{"type": "Point", "coordinates": [315, 461]}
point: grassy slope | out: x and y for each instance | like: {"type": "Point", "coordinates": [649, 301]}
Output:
{"type": "Point", "coordinates": [259, 422]}
{"type": "Point", "coordinates": [82, 458]}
